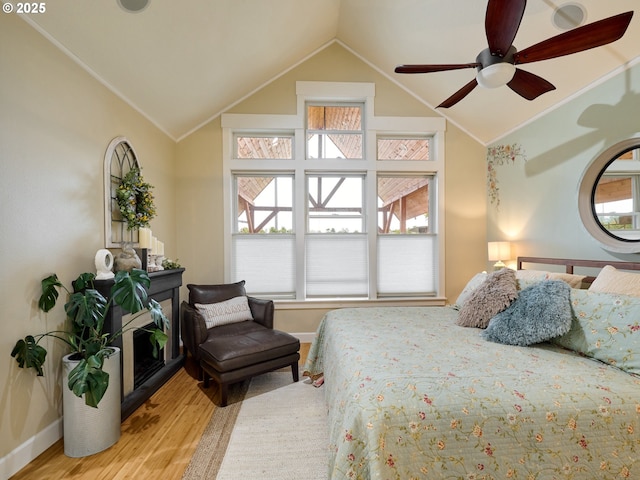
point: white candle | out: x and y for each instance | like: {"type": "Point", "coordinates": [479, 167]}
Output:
{"type": "Point", "coordinates": [154, 245]}
{"type": "Point", "coordinates": [160, 248]}
{"type": "Point", "coordinates": [144, 237]}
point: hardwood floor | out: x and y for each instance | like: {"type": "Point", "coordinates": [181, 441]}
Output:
{"type": "Point", "coordinates": [157, 440]}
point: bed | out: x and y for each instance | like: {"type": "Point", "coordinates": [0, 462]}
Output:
{"type": "Point", "coordinates": [411, 394]}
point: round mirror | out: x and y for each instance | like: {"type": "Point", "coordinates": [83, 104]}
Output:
{"type": "Point", "coordinates": [609, 197]}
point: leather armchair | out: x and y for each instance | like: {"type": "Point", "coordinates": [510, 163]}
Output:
{"type": "Point", "coordinates": [234, 352]}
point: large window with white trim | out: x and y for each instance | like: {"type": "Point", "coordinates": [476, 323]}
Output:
{"type": "Point", "coordinates": [334, 202]}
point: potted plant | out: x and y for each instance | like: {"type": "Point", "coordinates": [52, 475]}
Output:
{"type": "Point", "coordinates": [90, 345]}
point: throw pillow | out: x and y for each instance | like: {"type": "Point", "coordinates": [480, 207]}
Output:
{"type": "Point", "coordinates": [233, 310]}
{"type": "Point", "coordinates": [574, 281]}
{"type": "Point", "coordinates": [540, 313]}
{"type": "Point", "coordinates": [495, 294]}
{"type": "Point", "coordinates": [612, 280]}
{"type": "Point", "coordinates": [471, 285]}
{"type": "Point", "coordinates": [606, 327]}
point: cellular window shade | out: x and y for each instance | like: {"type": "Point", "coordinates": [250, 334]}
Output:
{"type": "Point", "coordinates": [266, 262]}
{"type": "Point", "coordinates": [406, 265]}
{"type": "Point", "coordinates": [337, 265]}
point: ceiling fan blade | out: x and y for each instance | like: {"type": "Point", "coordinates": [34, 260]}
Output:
{"type": "Point", "coordinates": [577, 40]}
{"type": "Point", "coordinates": [459, 95]}
{"type": "Point", "coordinates": [433, 68]}
{"type": "Point", "coordinates": [501, 24]}
{"type": "Point", "coordinates": [528, 85]}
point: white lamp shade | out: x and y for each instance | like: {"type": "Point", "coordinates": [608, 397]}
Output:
{"type": "Point", "coordinates": [499, 251]}
{"type": "Point", "coordinates": [496, 75]}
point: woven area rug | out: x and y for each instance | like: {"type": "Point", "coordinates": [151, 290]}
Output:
{"type": "Point", "coordinates": [272, 429]}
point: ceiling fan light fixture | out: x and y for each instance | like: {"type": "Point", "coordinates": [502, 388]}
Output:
{"type": "Point", "coordinates": [496, 75]}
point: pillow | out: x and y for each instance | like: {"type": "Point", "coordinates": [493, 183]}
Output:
{"type": "Point", "coordinates": [234, 310]}
{"type": "Point", "coordinates": [574, 281]}
{"type": "Point", "coordinates": [495, 294]}
{"type": "Point", "coordinates": [612, 280]}
{"type": "Point", "coordinates": [540, 313]}
{"type": "Point", "coordinates": [472, 284]}
{"type": "Point", "coordinates": [606, 327]}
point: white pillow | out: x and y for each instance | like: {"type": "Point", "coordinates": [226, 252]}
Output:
{"type": "Point", "coordinates": [612, 280]}
{"type": "Point", "coordinates": [574, 281]}
{"type": "Point", "coordinates": [477, 280]}
{"type": "Point", "coordinates": [234, 310]}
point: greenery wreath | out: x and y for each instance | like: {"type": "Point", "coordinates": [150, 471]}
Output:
{"type": "Point", "coordinates": [135, 200]}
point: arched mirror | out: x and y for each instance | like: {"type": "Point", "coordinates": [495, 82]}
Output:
{"type": "Point", "coordinates": [609, 197]}
{"type": "Point", "coordinates": [119, 158]}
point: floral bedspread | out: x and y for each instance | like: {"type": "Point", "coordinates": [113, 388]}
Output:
{"type": "Point", "coordinates": [410, 395]}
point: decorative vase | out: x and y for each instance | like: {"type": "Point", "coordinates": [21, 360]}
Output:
{"type": "Point", "coordinates": [128, 259]}
{"type": "Point", "coordinates": [89, 430]}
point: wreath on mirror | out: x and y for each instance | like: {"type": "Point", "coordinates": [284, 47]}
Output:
{"type": "Point", "coordinates": [135, 200]}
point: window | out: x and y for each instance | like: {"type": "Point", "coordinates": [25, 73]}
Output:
{"type": "Point", "coordinates": [263, 248]}
{"type": "Point", "coordinates": [264, 146]}
{"type": "Point", "coordinates": [402, 148]}
{"type": "Point", "coordinates": [334, 203]}
{"type": "Point", "coordinates": [264, 204]}
{"type": "Point", "coordinates": [406, 245]}
{"type": "Point", "coordinates": [334, 131]}
{"type": "Point", "coordinates": [336, 242]}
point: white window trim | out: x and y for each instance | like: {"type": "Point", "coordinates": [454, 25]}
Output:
{"type": "Point", "coordinates": [373, 125]}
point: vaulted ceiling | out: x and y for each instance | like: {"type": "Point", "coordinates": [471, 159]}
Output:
{"type": "Point", "coordinates": [182, 63]}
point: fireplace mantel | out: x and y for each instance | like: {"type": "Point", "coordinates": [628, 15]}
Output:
{"type": "Point", "coordinates": [165, 285]}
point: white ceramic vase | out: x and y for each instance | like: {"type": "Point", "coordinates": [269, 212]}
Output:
{"type": "Point", "coordinates": [89, 430]}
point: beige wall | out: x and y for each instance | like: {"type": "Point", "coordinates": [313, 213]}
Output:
{"type": "Point", "coordinates": [56, 122]}
{"type": "Point", "coordinates": [200, 179]}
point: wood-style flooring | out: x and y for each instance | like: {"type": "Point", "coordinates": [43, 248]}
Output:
{"type": "Point", "coordinates": [157, 440]}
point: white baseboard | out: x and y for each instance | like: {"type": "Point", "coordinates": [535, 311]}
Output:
{"type": "Point", "coordinates": [16, 460]}
{"type": "Point", "coordinates": [305, 337]}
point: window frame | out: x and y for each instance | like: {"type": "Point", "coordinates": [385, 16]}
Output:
{"type": "Point", "coordinates": [374, 126]}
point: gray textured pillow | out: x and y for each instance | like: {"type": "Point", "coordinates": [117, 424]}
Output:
{"type": "Point", "coordinates": [494, 295]}
{"type": "Point", "coordinates": [541, 312]}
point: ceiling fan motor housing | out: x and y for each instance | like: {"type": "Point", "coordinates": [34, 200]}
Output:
{"type": "Point", "coordinates": [486, 58]}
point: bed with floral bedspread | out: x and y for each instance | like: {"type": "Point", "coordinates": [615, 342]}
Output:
{"type": "Point", "coordinates": [412, 395]}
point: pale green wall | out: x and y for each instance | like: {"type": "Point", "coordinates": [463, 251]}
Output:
{"type": "Point", "coordinates": [56, 122]}
{"type": "Point", "coordinates": [539, 198]}
{"type": "Point", "coordinates": [200, 160]}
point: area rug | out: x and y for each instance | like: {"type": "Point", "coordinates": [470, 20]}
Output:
{"type": "Point", "coordinates": [272, 429]}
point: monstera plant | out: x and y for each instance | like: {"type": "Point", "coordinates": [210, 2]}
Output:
{"type": "Point", "coordinates": [86, 310]}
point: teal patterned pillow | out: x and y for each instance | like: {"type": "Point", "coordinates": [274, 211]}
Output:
{"type": "Point", "coordinates": [605, 326]}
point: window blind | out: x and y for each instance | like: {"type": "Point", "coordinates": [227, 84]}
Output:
{"type": "Point", "coordinates": [266, 262]}
{"type": "Point", "coordinates": [336, 265]}
{"type": "Point", "coordinates": [406, 265]}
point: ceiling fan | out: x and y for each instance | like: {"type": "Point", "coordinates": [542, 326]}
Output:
{"type": "Point", "coordinates": [497, 64]}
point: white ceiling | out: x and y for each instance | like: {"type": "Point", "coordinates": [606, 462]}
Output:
{"type": "Point", "coordinates": [182, 63]}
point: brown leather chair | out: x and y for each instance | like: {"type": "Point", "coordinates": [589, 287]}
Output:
{"type": "Point", "coordinates": [234, 352]}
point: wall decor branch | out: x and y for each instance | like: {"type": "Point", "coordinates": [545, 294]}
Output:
{"type": "Point", "coordinates": [498, 156]}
